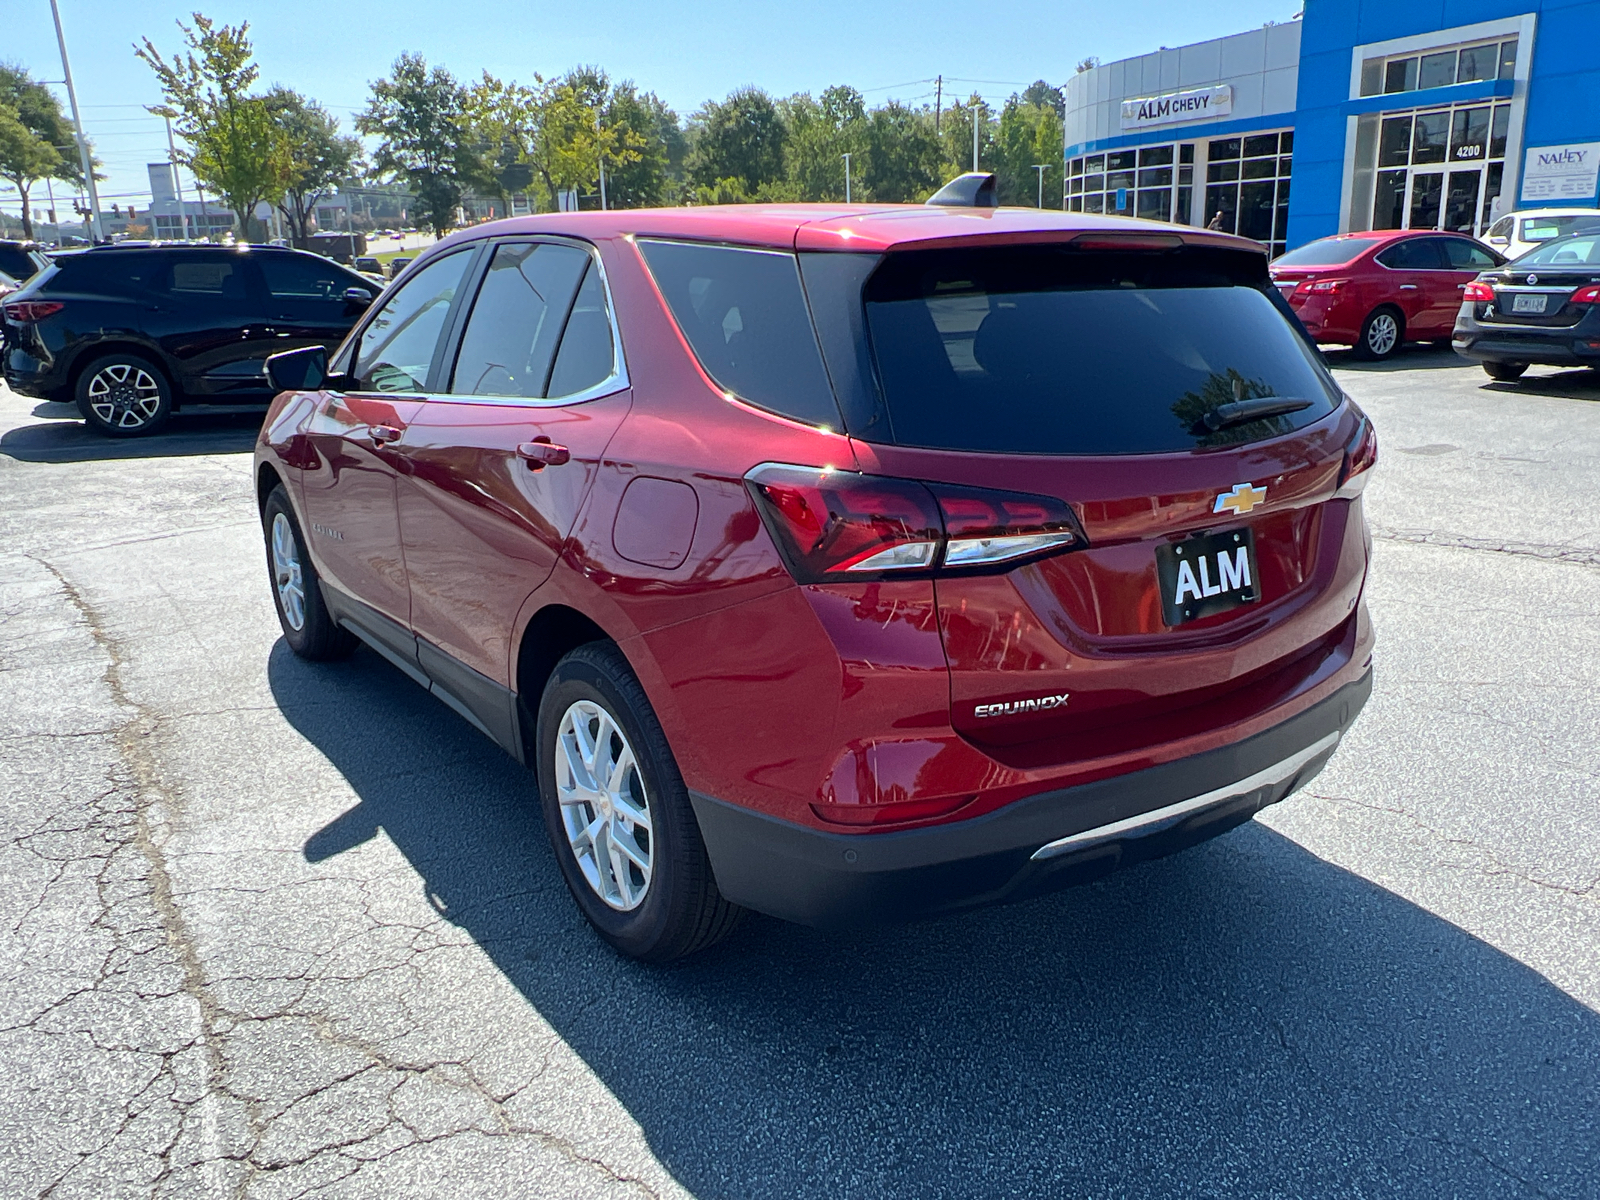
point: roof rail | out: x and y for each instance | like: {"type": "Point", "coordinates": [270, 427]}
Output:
{"type": "Point", "coordinates": [975, 189]}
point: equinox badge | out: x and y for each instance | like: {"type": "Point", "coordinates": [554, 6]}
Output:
{"type": "Point", "coordinates": [1011, 708]}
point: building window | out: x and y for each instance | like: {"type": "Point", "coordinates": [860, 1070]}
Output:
{"type": "Point", "coordinates": [1247, 187]}
{"type": "Point", "coordinates": [1431, 169]}
{"type": "Point", "coordinates": [1439, 68]}
{"type": "Point", "coordinates": [1153, 182]}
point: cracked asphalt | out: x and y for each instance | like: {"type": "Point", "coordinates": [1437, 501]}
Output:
{"type": "Point", "coordinates": [280, 930]}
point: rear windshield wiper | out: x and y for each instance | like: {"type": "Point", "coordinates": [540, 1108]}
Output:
{"type": "Point", "coordinates": [1240, 412]}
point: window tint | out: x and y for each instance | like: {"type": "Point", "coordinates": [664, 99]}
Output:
{"type": "Point", "coordinates": [516, 319]}
{"type": "Point", "coordinates": [291, 277]}
{"type": "Point", "coordinates": [209, 277]}
{"type": "Point", "coordinates": [586, 357]}
{"type": "Point", "coordinates": [1576, 250]}
{"type": "Point", "coordinates": [1324, 252]}
{"type": "Point", "coordinates": [398, 347]}
{"type": "Point", "coordinates": [1038, 351]}
{"type": "Point", "coordinates": [1464, 256]}
{"type": "Point", "coordinates": [744, 314]}
{"type": "Point", "coordinates": [1413, 254]}
{"type": "Point", "coordinates": [125, 274]}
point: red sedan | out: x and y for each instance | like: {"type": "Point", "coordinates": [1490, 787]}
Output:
{"type": "Point", "coordinates": [839, 562]}
{"type": "Point", "coordinates": [1376, 291]}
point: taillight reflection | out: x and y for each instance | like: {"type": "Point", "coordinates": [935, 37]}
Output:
{"type": "Point", "coordinates": [835, 525]}
{"type": "Point", "coordinates": [24, 311]}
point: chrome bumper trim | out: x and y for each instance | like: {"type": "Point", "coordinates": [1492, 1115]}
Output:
{"type": "Point", "coordinates": [1153, 820]}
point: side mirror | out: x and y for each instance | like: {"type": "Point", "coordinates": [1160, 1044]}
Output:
{"type": "Point", "coordinates": [360, 297]}
{"type": "Point", "coordinates": [1500, 241]}
{"type": "Point", "coordinates": [302, 370]}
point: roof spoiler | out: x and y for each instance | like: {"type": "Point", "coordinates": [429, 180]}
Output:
{"type": "Point", "coordinates": [975, 189]}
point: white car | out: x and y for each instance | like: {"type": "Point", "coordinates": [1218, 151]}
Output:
{"type": "Point", "coordinates": [1516, 233]}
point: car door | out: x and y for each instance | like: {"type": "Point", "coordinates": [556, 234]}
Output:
{"type": "Point", "coordinates": [349, 486]}
{"type": "Point", "coordinates": [1466, 258]}
{"type": "Point", "coordinates": [208, 312]}
{"type": "Point", "coordinates": [306, 299]}
{"type": "Point", "coordinates": [498, 465]}
{"type": "Point", "coordinates": [1410, 267]}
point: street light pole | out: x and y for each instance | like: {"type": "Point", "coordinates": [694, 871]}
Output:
{"type": "Point", "coordinates": [77, 125]}
{"type": "Point", "coordinates": [177, 185]}
{"type": "Point", "coordinates": [977, 115]}
{"type": "Point", "coordinates": [1041, 168]}
{"type": "Point", "coordinates": [846, 158]}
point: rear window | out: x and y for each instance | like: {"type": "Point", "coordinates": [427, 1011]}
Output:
{"type": "Point", "coordinates": [1056, 351]}
{"type": "Point", "coordinates": [744, 314]}
{"type": "Point", "coordinates": [1582, 251]}
{"type": "Point", "coordinates": [124, 274]}
{"type": "Point", "coordinates": [1324, 252]}
{"type": "Point", "coordinates": [1541, 229]}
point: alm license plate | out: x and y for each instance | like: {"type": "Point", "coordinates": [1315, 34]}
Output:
{"type": "Point", "coordinates": [1526, 303]}
{"type": "Point", "coordinates": [1205, 575]}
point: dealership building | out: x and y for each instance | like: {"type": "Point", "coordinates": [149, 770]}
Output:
{"type": "Point", "coordinates": [1362, 114]}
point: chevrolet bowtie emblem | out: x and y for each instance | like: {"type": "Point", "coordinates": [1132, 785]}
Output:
{"type": "Point", "coordinates": [1241, 500]}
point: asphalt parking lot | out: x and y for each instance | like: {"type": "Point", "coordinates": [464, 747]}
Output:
{"type": "Point", "coordinates": [275, 929]}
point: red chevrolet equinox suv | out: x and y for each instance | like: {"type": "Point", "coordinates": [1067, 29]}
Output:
{"type": "Point", "coordinates": [839, 563]}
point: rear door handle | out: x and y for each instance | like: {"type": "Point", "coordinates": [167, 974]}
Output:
{"type": "Point", "coordinates": [542, 452]}
{"type": "Point", "coordinates": [1408, 287]}
{"type": "Point", "coordinates": [383, 434]}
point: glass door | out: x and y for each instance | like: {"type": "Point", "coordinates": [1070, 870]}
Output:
{"type": "Point", "coordinates": [1427, 196]}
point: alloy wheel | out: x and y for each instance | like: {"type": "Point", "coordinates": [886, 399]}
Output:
{"type": "Point", "coordinates": [604, 810]}
{"type": "Point", "coordinates": [287, 573]}
{"type": "Point", "coordinates": [124, 395]}
{"type": "Point", "coordinates": [1382, 334]}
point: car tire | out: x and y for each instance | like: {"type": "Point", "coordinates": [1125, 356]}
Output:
{"type": "Point", "coordinates": [1382, 334]}
{"type": "Point", "coordinates": [1505, 372]}
{"type": "Point", "coordinates": [308, 627]}
{"type": "Point", "coordinates": [653, 898]}
{"type": "Point", "coordinates": [123, 395]}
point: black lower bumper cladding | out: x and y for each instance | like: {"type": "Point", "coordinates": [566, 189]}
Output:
{"type": "Point", "coordinates": [1052, 840]}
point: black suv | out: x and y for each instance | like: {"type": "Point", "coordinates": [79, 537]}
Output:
{"type": "Point", "coordinates": [130, 332]}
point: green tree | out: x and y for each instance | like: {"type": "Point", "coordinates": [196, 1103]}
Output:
{"type": "Point", "coordinates": [955, 137]}
{"type": "Point", "coordinates": [742, 138]}
{"type": "Point", "coordinates": [903, 155]}
{"type": "Point", "coordinates": [236, 149]}
{"type": "Point", "coordinates": [652, 130]}
{"type": "Point", "coordinates": [36, 141]}
{"type": "Point", "coordinates": [319, 156]}
{"type": "Point", "coordinates": [424, 118]}
{"type": "Point", "coordinates": [1028, 133]}
{"type": "Point", "coordinates": [504, 117]}
{"type": "Point", "coordinates": [818, 134]}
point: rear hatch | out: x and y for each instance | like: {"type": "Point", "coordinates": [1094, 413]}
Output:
{"type": "Point", "coordinates": [1155, 390]}
{"type": "Point", "coordinates": [1538, 290]}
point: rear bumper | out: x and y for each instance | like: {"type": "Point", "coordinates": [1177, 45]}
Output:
{"type": "Point", "coordinates": [1551, 345]}
{"type": "Point", "coordinates": [1048, 841]}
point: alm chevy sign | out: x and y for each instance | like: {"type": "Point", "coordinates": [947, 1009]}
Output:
{"type": "Point", "coordinates": [1198, 105]}
{"type": "Point", "coordinates": [1561, 172]}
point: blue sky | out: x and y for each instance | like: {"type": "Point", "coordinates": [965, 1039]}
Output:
{"type": "Point", "coordinates": [686, 53]}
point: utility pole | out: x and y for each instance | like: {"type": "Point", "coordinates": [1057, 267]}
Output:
{"type": "Point", "coordinates": [1041, 168]}
{"type": "Point", "coordinates": [938, 100]}
{"type": "Point", "coordinates": [77, 125]}
{"type": "Point", "coordinates": [846, 158]}
{"type": "Point", "coordinates": [177, 185]}
{"type": "Point", "coordinates": [600, 157]}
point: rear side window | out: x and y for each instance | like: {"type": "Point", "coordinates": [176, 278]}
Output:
{"type": "Point", "coordinates": [1054, 351]}
{"type": "Point", "coordinates": [212, 277]}
{"type": "Point", "coordinates": [1464, 256]}
{"type": "Point", "coordinates": [744, 314]}
{"type": "Point", "coordinates": [397, 348]}
{"type": "Point", "coordinates": [515, 324]}
{"type": "Point", "coordinates": [127, 274]}
{"type": "Point", "coordinates": [1413, 254]}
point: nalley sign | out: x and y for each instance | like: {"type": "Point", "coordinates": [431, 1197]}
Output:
{"type": "Point", "coordinates": [1201, 104]}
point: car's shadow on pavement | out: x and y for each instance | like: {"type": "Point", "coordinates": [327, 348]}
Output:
{"type": "Point", "coordinates": [1242, 1019]}
{"type": "Point", "coordinates": [1414, 356]}
{"type": "Point", "coordinates": [65, 438]}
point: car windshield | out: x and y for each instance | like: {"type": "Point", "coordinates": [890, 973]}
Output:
{"type": "Point", "coordinates": [1582, 250]}
{"type": "Point", "coordinates": [1059, 351]}
{"type": "Point", "coordinates": [1542, 229]}
{"type": "Point", "coordinates": [1324, 252]}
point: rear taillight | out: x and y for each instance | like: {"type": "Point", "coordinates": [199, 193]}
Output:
{"type": "Point", "coordinates": [1588, 295]}
{"type": "Point", "coordinates": [1478, 292]}
{"type": "Point", "coordinates": [1360, 456]}
{"type": "Point", "coordinates": [23, 311]}
{"type": "Point", "coordinates": [1323, 286]}
{"type": "Point", "coordinates": [832, 526]}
